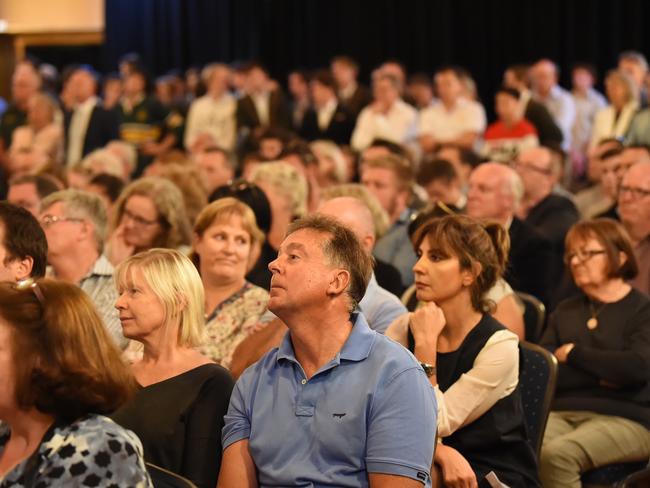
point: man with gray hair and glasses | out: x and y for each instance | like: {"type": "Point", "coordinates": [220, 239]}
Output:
{"type": "Point", "coordinates": [634, 211]}
{"type": "Point", "coordinates": [74, 222]}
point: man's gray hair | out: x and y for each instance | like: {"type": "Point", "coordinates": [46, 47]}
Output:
{"type": "Point", "coordinates": [82, 205]}
{"type": "Point", "coordinates": [343, 249]}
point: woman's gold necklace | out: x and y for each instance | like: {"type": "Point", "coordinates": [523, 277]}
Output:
{"type": "Point", "coordinates": [592, 322]}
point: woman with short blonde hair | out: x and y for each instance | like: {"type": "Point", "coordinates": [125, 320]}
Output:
{"type": "Point", "coordinates": [182, 397]}
{"type": "Point", "coordinates": [286, 190]}
{"type": "Point", "coordinates": [227, 244]}
{"type": "Point", "coordinates": [331, 163]}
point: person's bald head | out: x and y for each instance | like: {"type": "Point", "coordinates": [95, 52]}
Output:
{"type": "Point", "coordinates": [495, 191]}
{"type": "Point", "coordinates": [355, 215]}
{"type": "Point", "coordinates": [545, 74]}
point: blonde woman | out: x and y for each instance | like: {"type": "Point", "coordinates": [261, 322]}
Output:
{"type": "Point", "coordinates": [614, 120]}
{"type": "Point", "coordinates": [286, 190]}
{"type": "Point", "coordinates": [178, 410]}
{"type": "Point", "coordinates": [149, 213]}
{"type": "Point", "coordinates": [226, 245]}
{"type": "Point", "coordinates": [331, 163]}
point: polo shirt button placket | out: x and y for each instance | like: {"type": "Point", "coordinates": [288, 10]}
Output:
{"type": "Point", "coordinates": [304, 381]}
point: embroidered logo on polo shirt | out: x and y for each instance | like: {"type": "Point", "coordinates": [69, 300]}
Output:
{"type": "Point", "coordinates": [422, 476]}
{"type": "Point", "coordinates": [338, 415]}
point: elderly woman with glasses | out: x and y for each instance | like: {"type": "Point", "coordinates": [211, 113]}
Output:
{"type": "Point", "coordinates": [60, 373]}
{"type": "Point", "coordinates": [149, 213]}
{"type": "Point", "coordinates": [601, 338]}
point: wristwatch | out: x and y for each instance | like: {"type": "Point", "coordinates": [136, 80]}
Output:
{"type": "Point", "coordinates": [429, 369]}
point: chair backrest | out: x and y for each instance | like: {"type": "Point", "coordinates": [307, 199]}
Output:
{"type": "Point", "coordinates": [409, 299]}
{"type": "Point", "coordinates": [640, 479]}
{"type": "Point", "coordinates": [163, 478]}
{"type": "Point", "coordinates": [534, 316]}
{"type": "Point", "coordinates": [537, 379]}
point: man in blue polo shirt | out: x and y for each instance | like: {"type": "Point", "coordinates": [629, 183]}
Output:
{"type": "Point", "coordinates": [337, 404]}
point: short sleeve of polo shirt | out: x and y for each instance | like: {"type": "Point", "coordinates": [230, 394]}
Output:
{"type": "Point", "coordinates": [402, 426]}
{"type": "Point", "coordinates": [237, 420]}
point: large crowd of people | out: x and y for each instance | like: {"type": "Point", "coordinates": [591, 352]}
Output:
{"type": "Point", "coordinates": [247, 286]}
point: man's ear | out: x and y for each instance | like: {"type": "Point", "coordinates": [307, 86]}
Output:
{"type": "Point", "coordinates": [22, 268]}
{"type": "Point", "coordinates": [368, 243]}
{"type": "Point", "coordinates": [87, 228]}
{"type": "Point", "coordinates": [404, 196]}
{"type": "Point", "coordinates": [339, 282]}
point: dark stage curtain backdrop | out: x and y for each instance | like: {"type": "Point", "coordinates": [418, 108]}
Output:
{"type": "Point", "coordinates": [484, 36]}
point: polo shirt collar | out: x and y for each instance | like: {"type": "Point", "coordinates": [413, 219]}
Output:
{"type": "Point", "coordinates": [356, 348]}
{"type": "Point", "coordinates": [102, 267]}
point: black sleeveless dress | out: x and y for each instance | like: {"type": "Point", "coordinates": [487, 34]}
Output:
{"type": "Point", "coordinates": [497, 440]}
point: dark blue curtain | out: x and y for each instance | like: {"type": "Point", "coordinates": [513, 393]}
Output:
{"type": "Point", "coordinates": [482, 35]}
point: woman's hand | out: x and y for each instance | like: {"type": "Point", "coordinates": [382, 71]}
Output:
{"type": "Point", "coordinates": [426, 324]}
{"type": "Point", "coordinates": [119, 249]}
{"type": "Point", "coordinates": [456, 471]}
{"type": "Point", "coordinates": [562, 352]}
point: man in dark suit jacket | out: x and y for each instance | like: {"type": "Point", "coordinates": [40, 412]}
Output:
{"type": "Point", "coordinates": [262, 106]}
{"type": "Point", "coordinates": [495, 192]}
{"type": "Point", "coordinates": [530, 260]}
{"type": "Point", "coordinates": [550, 213]}
{"type": "Point", "coordinates": [353, 96]}
{"type": "Point", "coordinates": [327, 119]}
{"type": "Point", "coordinates": [89, 126]}
{"type": "Point", "coordinates": [548, 133]}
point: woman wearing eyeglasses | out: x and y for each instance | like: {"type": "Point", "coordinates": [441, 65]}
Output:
{"type": "Point", "coordinates": [149, 213]}
{"type": "Point", "coordinates": [60, 373]}
{"type": "Point", "coordinates": [601, 338]}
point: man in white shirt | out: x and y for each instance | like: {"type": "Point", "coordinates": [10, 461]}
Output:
{"type": "Point", "coordinates": [89, 126]}
{"type": "Point", "coordinates": [453, 119]}
{"type": "Point", "coordinates": [556, 99]}
{"type": "Point", "coordinates": [211, 118]}
{"type": "Point", "coordinates": [387, 117]}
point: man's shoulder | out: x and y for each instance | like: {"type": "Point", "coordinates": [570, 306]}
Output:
{"type": "Point", "coordinates": [562, 94]}
{"type": "Point", "coordinates": [391, 357]}
{"type": "Point", "coordinates": [523, 234]}
{"type": "Point", "coordinates": [472, 107]}
{"type": "Point", "coordinates": [558, 203]}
